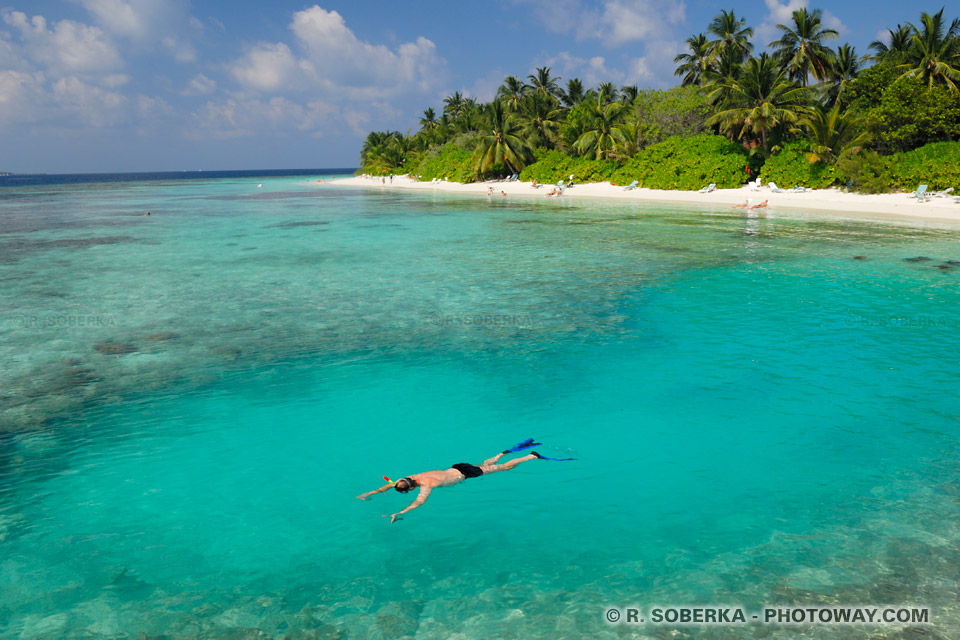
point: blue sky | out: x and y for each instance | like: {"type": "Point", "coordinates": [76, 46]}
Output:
{"type": "Point", "coordinates": [141, 85]}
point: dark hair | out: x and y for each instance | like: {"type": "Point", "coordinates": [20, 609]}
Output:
{"type": "Point", "coordinates": [408, 484]}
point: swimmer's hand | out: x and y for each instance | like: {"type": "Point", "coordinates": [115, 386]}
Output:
{"type": "Point", "coordinates": [363, 497]}
{"type": "Point", "coordinates": [393, 518]}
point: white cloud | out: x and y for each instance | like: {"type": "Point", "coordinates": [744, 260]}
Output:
{"type": "Point", "coordinates": [199, 85]}
{"type": "Point", "coordinates": [591, 71]}
{"type": "Point", "coordinates": [66, 47]}
{"type": "Point", "coordinates": [267, 67]}
{"type": "Point", "coordinates": [91, 105]}
{"type": "Point", "coordinates": [613, 22]}
{"type": "Point", "coordinates": [115, 80]}
{"type": "Point", "coordinates": [331, 60]}
{"type": "Point", "coordinates": [149, 24]}
{"type": "Point", "coordinates": [236, 118]}
{"type": "Point", "coordinates": [150, 107]}
{"type": "Point", "coordinates": [21, 95]}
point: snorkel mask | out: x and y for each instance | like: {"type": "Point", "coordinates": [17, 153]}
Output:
{"type": "Point", "coordinates": [410, 484]}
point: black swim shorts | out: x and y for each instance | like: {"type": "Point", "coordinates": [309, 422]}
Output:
{"type": "Point", "coordinates": [468, 470]}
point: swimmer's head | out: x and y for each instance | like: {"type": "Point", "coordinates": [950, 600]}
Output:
{"type": "Point", "coordinates": [405, 484]}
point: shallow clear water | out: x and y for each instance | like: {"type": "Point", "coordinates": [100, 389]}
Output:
{"type": "Point", "coordinates": [190, 402]}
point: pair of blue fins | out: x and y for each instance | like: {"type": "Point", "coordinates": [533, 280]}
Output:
{"type": "Point", "coordinates": [527, 444]}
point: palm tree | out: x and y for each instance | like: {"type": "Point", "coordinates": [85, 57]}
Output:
{"type": "Point", "coordinates": [831, 132]}
{"type": "Point", "coordinates": [501, 142]}
{"type": "Point", "coordinates": [733, 36]}
{"type": "Point", "coordinates": [726, 73]}
{"type": "Point", "coordinates": [934, 54]}
{"type": "Point", "coordinates": [762, 99]}
{"type": "Point", "coordinates": [512, 92]}
{"type": "Point", "coordinates": [471, 115]}
{"type": "Point", "coordinates": [574, 94]}
{"type": "Point", "coordinates": [453, 105]}
{"type": "Point", "coordinates": [801, 49]}
{"type": "Point", "coordinates": [383, 151]}
{"type": "Point", "coordinates": [541, 120]}
{"type": "Point", "coordinates": [429, 119]}
{"type": "Point", "coordinates": [543, 83]}
{"type": "Point", "coordinates": [844, 70]}
{"type": "Point", "coordinates": [602, 130]}
{"type": "Point", "coordinates": [608, 92]}
{"type": "Point", "coordinates": [695, 66]}
{"type": "Point", "coordinates": [897, 49]}
{"type": "Point", "coordinates": [629, 93]}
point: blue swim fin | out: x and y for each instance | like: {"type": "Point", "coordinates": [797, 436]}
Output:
{"type": "Point", "coordinates": [526, 444]}
{"type": "Point", "coordinates": [552, 459]}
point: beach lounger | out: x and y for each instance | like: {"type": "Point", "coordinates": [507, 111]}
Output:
{"type": "Point", "coordinates": [774, 188]}
{"type": "Point", "coordinates": [921, 193]}
{"type": "Point", "coordinates": [707, 189]}
{"type": "Point", "coordinates": [797, 189]}
{"type": "Point", "coordinates": [944, 193]}
{"type": "Point", "coordinates": [755, 185]}
{"type": "Point", "coordinates": [631, 186]}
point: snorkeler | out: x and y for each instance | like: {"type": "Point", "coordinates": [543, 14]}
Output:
{"type": "Point", "coordinates": [429, 480]}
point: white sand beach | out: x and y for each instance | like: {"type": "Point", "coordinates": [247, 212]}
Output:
{"type": "Point", "coordinates": [896, 205]}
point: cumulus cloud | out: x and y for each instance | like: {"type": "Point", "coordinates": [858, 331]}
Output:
{"type": "Point", "coordinates": [21, 94]}
{"type": "Point", "coordinates": [65, 46]}
{"type": "Point", "coordinates": [267, 67]}
{"type": "Point", "coordinates": [91, 105]}
{"type": "Point", "coordinates": [330, 59]}
{"type": "Point", "coordinates": [235, 118]}
{"type": "Point", "coordinates": [652, 24]}
{"type": "Point", "coordinates": [148, 24]}
{"type": "Point", "coordinates": [613, 22]}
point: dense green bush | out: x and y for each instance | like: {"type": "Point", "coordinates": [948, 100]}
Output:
{"type": "Point", "coordinates": [686, 164]}
{"type": "Point", "coordinates": [681, 111]}
{"type": "Point", "coordinates": [552, 166]}
{"type": "Point", "coordinates": [790, 167]}
{"type": "Point", "coordinates": [446, 161]}
{"type": "Point", "coordinates": [864, 170]}
{"type": "Point", "coordinates": [911, 114]}
{"type": "Point", "coordinates": [936, 164]}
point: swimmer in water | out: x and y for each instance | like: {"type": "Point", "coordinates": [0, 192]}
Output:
{"type": "Point", "coordinates": [427, 481]}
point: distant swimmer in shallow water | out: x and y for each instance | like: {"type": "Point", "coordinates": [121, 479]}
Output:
{"type": "Point", "coordinates": [759, 206]}
{"type": "Point", "coordinates": [427, 481]}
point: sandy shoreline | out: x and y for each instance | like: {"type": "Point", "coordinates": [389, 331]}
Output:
{"type": "Point", "coordinates": [896, 205]}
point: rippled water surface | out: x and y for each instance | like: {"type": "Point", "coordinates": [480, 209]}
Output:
{"type": "Point", "coordinates": [765, 411]}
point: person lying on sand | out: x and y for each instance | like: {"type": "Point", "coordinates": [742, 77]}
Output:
{"type": "Point", "coordinates": [427, 481]}
{"type": "Point", "coordinates": [553, 192]}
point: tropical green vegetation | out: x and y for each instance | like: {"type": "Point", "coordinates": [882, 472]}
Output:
{"type": "Point", "coordinates": [801, 110]}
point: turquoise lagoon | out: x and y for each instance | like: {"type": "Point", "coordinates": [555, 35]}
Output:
{"type": "Point", "coordinates": [764, 412]}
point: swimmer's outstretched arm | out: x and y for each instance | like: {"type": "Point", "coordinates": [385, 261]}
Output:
{"type": "Point", "coordinates": [365, 496]}
{"type": "Point", "coordinates": [424, 494]}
